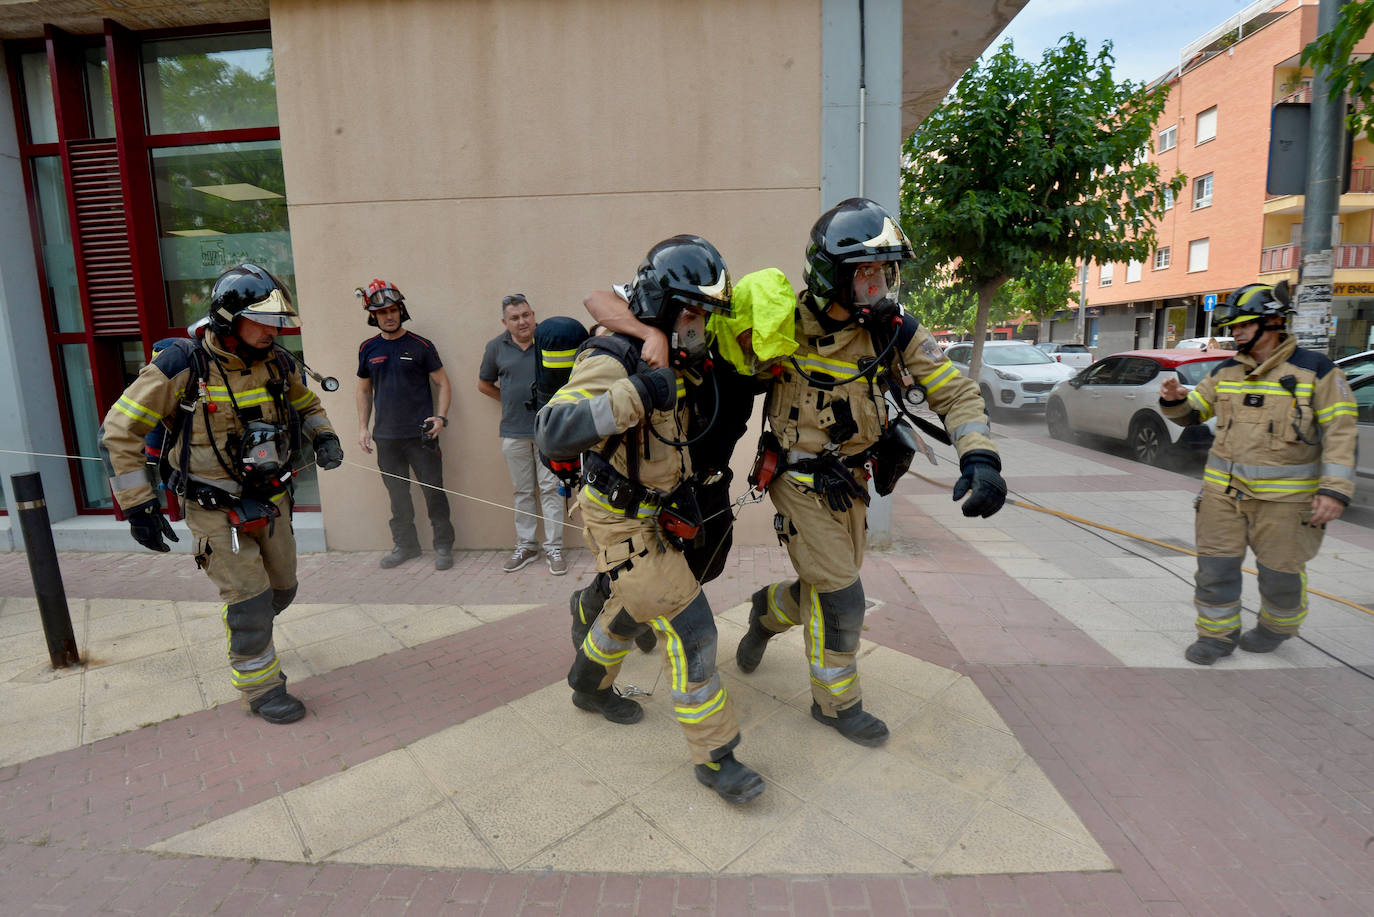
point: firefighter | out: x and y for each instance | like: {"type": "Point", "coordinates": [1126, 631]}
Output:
{"type": "Point", "coordinates": [235, 408]}
{"type": "Point", "coordinates": [1282, 465]}
{"type": "Point", "coordinates": [629, 423]}
{"type": "Point", "coordinates": [826, 415]}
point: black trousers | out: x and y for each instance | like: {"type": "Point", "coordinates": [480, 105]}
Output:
{"type": "Point", "coordinates": [399, 457]}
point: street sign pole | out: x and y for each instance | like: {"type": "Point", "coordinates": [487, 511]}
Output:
{"type": "Point", "coordinates": [1209, 305]}
{"type": "Point", "coordinates": [1312, 324]}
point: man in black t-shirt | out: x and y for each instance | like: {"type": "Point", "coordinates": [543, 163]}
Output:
{"type": "Point", "coordinates": [395, 370]}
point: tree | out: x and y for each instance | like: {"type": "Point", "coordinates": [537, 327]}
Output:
{"type": "Point", "coordinates": [1040, 290]}
{"type": "Point", "coordinates": [1354, 76]}
{"type": "Point", "coordinates": [940, 302]}
{"type": "Point", "coordinates": [1025, 163]}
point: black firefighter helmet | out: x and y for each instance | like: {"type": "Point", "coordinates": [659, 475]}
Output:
{"type": "Point", "coordinates": [681, 271]}
{"type": "Point", "coordinates": [855, 231]}
{"type": "Point", "coordinates": [251, 292]}
{"type": "Point", "coordinates": [1256, 302]}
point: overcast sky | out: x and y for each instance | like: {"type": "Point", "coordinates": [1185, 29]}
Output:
{"type": "Point", "coordinates": [1146, 36]}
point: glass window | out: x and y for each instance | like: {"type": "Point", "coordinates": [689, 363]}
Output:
{"type": "Point", "coordinates": [1202, 191]}
{"type": "Point", "coordinates": [1090, 332]}
{"type": "Point", "coordinates": [38, 97]}
{"type": "Point", "coordinates": [1105, 273]}
{"type": "Point", "coordinates": [1194, 372]}
{"type": "Point", "coordinates": [1020, 355]}
{"type": "Point", "coordinates": [99, 105]}
{"type": "Point", "coordinates": [218, 205]}
{"type": "Point", "coordinates": [59, 258]}
{"type": "Point", "coordinates": [1168, 138]}
{"type": "Point", "coordinates": [1101, 372]}
{"type": "Point", "coordinates": [307, 475]}
{"type": "Point", "coordinates": [1197, 254]}
{"type": "Point", "coordinates": [1132, 271]}
{"type": "Point", "coordinates": [1168, 198]}
{"type": "Point", "coordinates": [1137, 371]}
{"type": "Point", "coordinates": [1206, 124]}
{"type": "Point", "coordinates": [211, 83]}
{"type": "Point", "coordinates": [76, 372]}
{"type": "Point", "coordinates": [1162, 258]}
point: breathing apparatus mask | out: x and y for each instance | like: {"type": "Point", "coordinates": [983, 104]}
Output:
{"type": "Point", "coordinates": [264, 455]}
{"type": "Point", "coordinates": [690, 341]}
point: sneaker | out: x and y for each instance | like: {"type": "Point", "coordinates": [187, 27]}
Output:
{"type": "Point", "coordinates": [519, 559]}
{"type": "Point", "coordinates": [398, 556]}
{"type": "Point", "coordinates": [557, 565]}
{"type": "Point", "coordinates": [443, 558]}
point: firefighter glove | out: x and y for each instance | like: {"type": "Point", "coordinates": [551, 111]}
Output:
{"type": "Point", "coordinates": [839, 488]}
{"type": "Point", "coordinates": [657, 388]}
{"type": "Point", "coordinates": [982, 482]}
{"type": "Point", "coordinates": [328, 451]}
{"type": "Point", "coordinates": [148, 526]}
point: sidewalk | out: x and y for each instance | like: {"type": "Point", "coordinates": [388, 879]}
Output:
{"type": "Point", "coordinates": [1052, 752]}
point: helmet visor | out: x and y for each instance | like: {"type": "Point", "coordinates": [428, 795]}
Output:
{"type": "Point", "coordinates": [275, 310]}
{"type": "Point", "coordinates": [380, 299]}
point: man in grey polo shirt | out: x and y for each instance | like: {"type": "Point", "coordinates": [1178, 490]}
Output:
{"type": "Point", "coordinates": [507, 374]}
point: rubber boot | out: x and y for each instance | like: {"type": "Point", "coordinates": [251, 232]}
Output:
{"type": "Point", "coordinates": [646, 640]}
{"type": "Point", "coordinates": [278, 707]}
{"type": "Point", "coordinates": [751, 646]}
{"type": "Point", "coordinates": [731, 780]}
{"type": "Point", "coordinates": [854, 724]}
{"type": "Point", "coordinates": [612, 706]}
{"type": "Point", "coordinates": [1207, 650]}
{"type": "Point", "coordinates": [1261, 640]}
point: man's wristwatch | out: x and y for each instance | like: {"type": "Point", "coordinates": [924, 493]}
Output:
{"type": "Point", "coordinates": [443, 418]}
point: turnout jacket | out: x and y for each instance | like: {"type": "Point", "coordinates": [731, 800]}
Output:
{"type": "Point", "coordinates": [155, 396]}
{"type": "Point", "coordinates": [599, 402]}
{"type": "Point", "coordinates": [810, 416]}
{"type": "Point", "coordinates": [1285, 427]}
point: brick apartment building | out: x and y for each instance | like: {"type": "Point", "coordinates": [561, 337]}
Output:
{"type": "Point", "coordinates": [1223, 230]}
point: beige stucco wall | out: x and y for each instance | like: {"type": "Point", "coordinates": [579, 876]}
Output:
{"type": "Point", "coordinates": [469, 148]}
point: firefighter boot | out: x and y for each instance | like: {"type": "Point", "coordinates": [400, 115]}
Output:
{"type": "Point", "coordinates": [752, 644]}
{"type": "Point", "coordinates": [646, 639]}
{"type": "Point", "coordinates": [1261, 640]}
{"type": "Point", "coordinates": [1207, 650]}
{"type": "Point", "coordinates": [854, 724]}
{"type": "Point", "coordinates": [612, 706]}
{"type": "Point", "coordinates": [731, 780]}
{"type": "Point", "coordinates": [276, 706]}
{"type": "Point", "coordinates": [582, 616]}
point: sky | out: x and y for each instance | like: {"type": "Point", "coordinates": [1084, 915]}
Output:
{"type": "Point", "coordinates": [1146, 36]}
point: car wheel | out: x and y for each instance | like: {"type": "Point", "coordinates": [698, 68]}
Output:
{"type": "Point", "coordinates": [1057, 420]}
{"type": "Point", "coordinates": [1148, 440]}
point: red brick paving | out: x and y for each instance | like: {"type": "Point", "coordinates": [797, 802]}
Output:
{"type": "Point", "coordinates": [1213, 792]}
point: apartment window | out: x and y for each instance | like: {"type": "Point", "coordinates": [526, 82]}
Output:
{"type": "Point", "coordinates": [1168, 198]}
{"type": "Point", "coordinates": [1168, 139]}
{"type": "Point", "coordinates": [1162, 258]}
{"type": "Point", "coordinates": [1132, 271]}
{"type": "Point", "coordinates": [1197, 255]}
{"type": "Point", "coordinates": [1207, 124]}
{"type": "Point", "coordinates": [1202, 191]}
{"type": "Point", "coordinates": [1105, 275]}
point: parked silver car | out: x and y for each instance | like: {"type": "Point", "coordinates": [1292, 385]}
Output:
{"type": "Point", "coordinates": [1077, 356]}
{"type": "Point", "coordinates": [1015, 375]}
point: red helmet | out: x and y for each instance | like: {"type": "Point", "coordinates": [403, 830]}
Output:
{"type": "Point", "coordinates": [381, 294]}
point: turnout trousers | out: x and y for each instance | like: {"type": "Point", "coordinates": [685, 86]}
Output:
{"type": "Point", "coordinates": [256, 585]}
{"type": "Point", "coordinates": [827, 550]}
{"type": "Point", "coordinates": [1283, 544]}
{"type": "Point", "coordinates": [651, 585]}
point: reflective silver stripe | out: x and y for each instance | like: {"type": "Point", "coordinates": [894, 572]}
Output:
{"type": "Point", "coordinates": [1266, 472]}
{"type": "Point", "coordinates": [832, 675]}
{"type": "Point", "coordinates": [257, 663]}
{"type": "Point", "coordinates": [700, 695]}
{"type": "Point", "coordinates": [129, 479]}
{"type": "Point", "coordinates": [973, 426]}
{"type": "Point", "coordinates": [30, 504]}
{"type": "Point", "coordinates": [601, 646]}
{"type": "Point", "coordinates": [1344, 472]}
{"type": "Point", "coordinates": [603, 415]}
{"type": "Point", "coordinates": [312, 424]}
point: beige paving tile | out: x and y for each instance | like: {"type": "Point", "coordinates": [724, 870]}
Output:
{"type": "Point", "coordinates": [438, 838]}
{"type": "Point", "coordinates": [488, 613]}
{"type": "Point", "coordinates": [345, 650]}
{"type": "Point", "coordinates": [137, 620]}
{"type": "Point", "coordinates": [361, 802]}
{"type": "Point", "coordinates": [259, 832]}
{"type": "Point", "coordinates": [43, 734]}
{"type": "Point", "coordinates": [623, 841]}
{"type": "Point", "coordinates": [481, 749]}
{"type": "Point", "coordinates": [1029, 792]}
{"type": "Point", "coordinates": [1024, 568]}
{"type": "Point", "coordinates": [143, 672]}
{"type": "Point", "coordinates": [201, 628]}
{"type": "Point", "coordinates": [550, 713]}
{"type": "Point", "coordinates": [999, 840]}
{"type": "Point", "coordinates": [110, 713]}
{"type": "Point", "coordinates": [520, 810]}
{"type": "Point", "coordinates": [131, 610]}
{"type": "Point", "coordinates": [135, 645]}
{"type": "Point", "coordinates": [629, 759]}
{"type": "Point", "coordinates": [795, 752]}
{"type": "Point", "coordinates": [384, 613]}
{"type": "Point", "coordinates": [964, 698]}
{"type": "Point", "coordinates": [305, 626]}
{"type": "Point", "coordinates": [430, 624]}
{"type": "Point", "coordinates": [911, 675]}
{"type": "Point", "coordinates": [706, 826]}
{"type": "Point", "coordinates": [973, 756]}
{"type": "Point", "coordinates": [20, 616]}
{"type": "Point", "coordinates": [812, 842]}
{"type": "Point", "coordinates": [899, 805]}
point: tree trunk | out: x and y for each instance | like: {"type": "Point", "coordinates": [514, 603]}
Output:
{"type": "Point", "coordinates": [980, 324]}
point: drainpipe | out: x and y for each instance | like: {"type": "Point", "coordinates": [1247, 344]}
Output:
{"type": "Point", "coordinates": [863, 96]}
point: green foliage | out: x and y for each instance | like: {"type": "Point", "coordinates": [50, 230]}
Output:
{"type": "Point", "coordinates": [1356, 77]}
{"type": "Point", "coordinates": [1040, 290]}
{"type": "Point", "coordinates": [939, 301]}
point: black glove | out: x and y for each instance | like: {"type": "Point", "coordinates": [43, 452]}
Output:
{"type": "Point", "coordinates": [328, 451]}
{"type": "Point", "coordinates": [982, 480]}
{"type": "Point", "coordinates": [839, 488]}
{"type": "Point", "coordinates": [657, 388]}
{"type": "Point", "coordinates": [148, 525]}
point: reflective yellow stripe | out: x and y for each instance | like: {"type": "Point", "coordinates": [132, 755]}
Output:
{"type": "Point", "coordinates": [1219, 625]}
{"type": "Point", "coordinates": [303, 400]}
{"type": "Point", "coordinates": [776, 607]}
{"type": "Point", "coordinates": [938, 378]}
{"type": "Point", "coordinates": [838, 687]}
{"type": "Point", "coordinates": [1339, 409]}
{"type": "Point", "coordinates": [674, 653]}
{"type": "Point", "coordinates": [127, 406]}
{"type": "Point", "coordinates": [1261, 485]}
{"type": "Point", "coordinates": [603, 501]}
{"type": "Point", "coordinates": [699, 712]}
{"type": "Point", "coordinates": [558, 359]}
{"type": "Point", "coordinates": [1200, 404]}
{"type": "Point", "coordinates": [248, 679]}
{"type": "Point", "coordinates": [570, 396]}
{"type": "Point", "coordinates": [1261, 387]}
{"type": "Point", "coordinates": [816, 625]}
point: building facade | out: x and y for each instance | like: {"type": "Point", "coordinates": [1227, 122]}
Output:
{"type": "Point", "coordinates": [1223, 231]}
{"type": "Point", "coordinates": [462, 149]}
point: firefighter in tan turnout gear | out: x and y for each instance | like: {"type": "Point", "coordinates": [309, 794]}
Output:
{"type": "Point", "coordinates": [828, 419]}
{"type": "Point", "coordinates": [629, 424]}
{"type": "Point", "coordinates": [1281, 467]}
{"type": "Point", "coordinates": [235, 408]}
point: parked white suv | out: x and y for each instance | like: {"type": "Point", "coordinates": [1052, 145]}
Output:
{"type": "Point", "coordinates": [1015, 375]}
{"type": "Point", "coordinates": [1076, 355]}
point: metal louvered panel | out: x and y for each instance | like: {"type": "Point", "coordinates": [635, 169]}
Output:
{"type": "Point", "coordinates": [102, 233]}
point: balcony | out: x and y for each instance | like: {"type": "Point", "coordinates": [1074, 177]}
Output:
{"type": "Point", "coordinates": [1358, 257]}
{"type": "Point", "coordinates": [1361, 182]}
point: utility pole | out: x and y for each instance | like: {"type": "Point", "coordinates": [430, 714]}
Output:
{"type": "Point", "coordinates": [1312, 324]}
{"type": "Point", "coordinates": [1080, 324]}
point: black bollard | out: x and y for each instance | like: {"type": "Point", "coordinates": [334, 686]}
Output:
{"type": "Point", "coordinates": [47, 576]}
